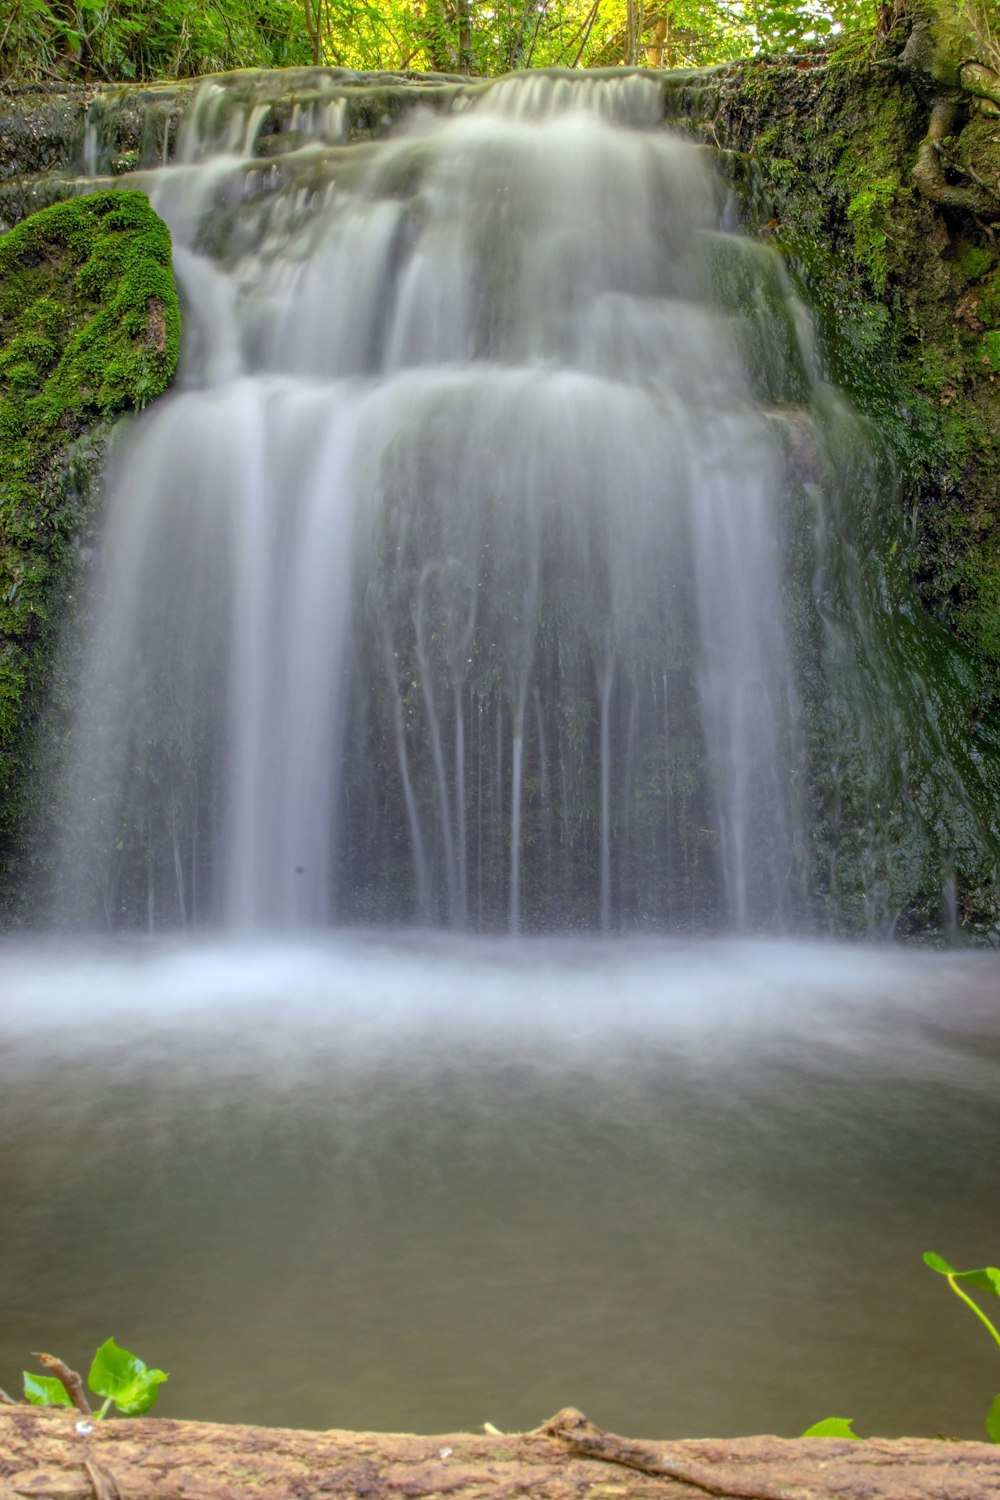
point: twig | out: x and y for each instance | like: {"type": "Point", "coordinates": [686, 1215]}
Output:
{"type": "Point", "coordinates": [50, 1491]}
{"type": "Point", "coordinates": [71, 1381]}
{"type": "Point", "coordinates": [588, 28]}
{"type": "Point", "coordinates": [104, 1484]}
{"type": "Point", "coordinates": [6, 1400]}
{"type": "Point", "coordinates": [572, 1427]}
{"type": "Point", "coordinates": [7, 31]}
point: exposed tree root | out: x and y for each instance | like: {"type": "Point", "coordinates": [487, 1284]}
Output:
{"type": "Point", "coordinates": [931, 167]}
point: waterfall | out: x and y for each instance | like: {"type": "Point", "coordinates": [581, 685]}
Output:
{"type": "Point", "coordinates": [453, 583]}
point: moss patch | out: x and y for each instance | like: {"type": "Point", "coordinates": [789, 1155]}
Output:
{"type": "Point", "coordinates": [89, 328]}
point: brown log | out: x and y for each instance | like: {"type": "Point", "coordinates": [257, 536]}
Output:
{"type": "Point", "coordinates": [56, 1455]}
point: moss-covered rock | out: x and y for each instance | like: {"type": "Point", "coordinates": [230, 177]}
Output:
{"type": "Point", "coordinates": [89, 329]}
{"type": "Point", "coordinates": [905, 289]}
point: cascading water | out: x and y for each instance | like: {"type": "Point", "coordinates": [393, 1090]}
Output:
{"type": "Point", "coordinates": [425, 532]}
{"type": "Point", "coordinates": [454, 583]}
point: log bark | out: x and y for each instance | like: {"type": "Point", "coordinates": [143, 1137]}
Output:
{"type": "Point", "coordinates": [57, 1455]}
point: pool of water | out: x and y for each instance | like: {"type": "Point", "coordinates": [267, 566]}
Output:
{"type": "Point", "coordinates": [411, 1182]}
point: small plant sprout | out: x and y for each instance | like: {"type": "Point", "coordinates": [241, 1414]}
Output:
{"type": "Point", "coordinates": [832, 1427]}
{"type": "Point", "coordinates": [987, 1279]}
{"type": "Point", "coordinates": [121, 1378]}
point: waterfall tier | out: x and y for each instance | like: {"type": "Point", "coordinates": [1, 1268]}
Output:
{"type": "Point", "coordinates": [493, 564]}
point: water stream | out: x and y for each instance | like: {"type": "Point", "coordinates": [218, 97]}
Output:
{"type": "Point", "coordinates": [454, 584]}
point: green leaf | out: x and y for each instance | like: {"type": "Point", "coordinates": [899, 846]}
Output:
{"type": "Point", "coordinates": [985, 1279]}
{"type": "Point", "coordinates": [993, 1421]}
{"type": "Point", "coordinates": [833, 1427]}
{"type": "Point", "coordinates": [124, 1379]}
{"type": "Point", "coordinates": [45, 1390]}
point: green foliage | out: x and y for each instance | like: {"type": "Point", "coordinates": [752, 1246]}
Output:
{"type": "Point", "coordinates": [980, 19]}
{"type": "Point", "coordinates": [832, 1427]}
{"type": "Point", "coordinates": [986, 1279]}
{"type": "Point", "coordinates": [993, 1420]}
{"type": "Point", "coordinates": [121, 1378]}
{"type": "Point", "coordinates": [990, 347]}
{"type": "Point", "coordinates": [147, 39]}
{"type": "Point", "coordinates": [144, 39]}
{"type": "Point", "coordinates": [45, 1390]}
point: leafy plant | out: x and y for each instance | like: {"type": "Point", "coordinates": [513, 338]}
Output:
{"type": "Point", "coordinates": [977, 16]}
{"type": "Point", "coordinates": [109, 40]}
{"type": "Point", "coordinates": [832, 1427]}
{"type": "Point", "coordinates": [987, 1279]}
{"type": "Point", "coordinates": [120, 1377]}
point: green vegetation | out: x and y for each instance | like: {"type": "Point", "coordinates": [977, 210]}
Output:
{"type": "Point", "coordinates": [987, 1279]}
{"type": "Point", "coordinates": [121, 1378]}
{"type": "Point", "coordinates": [832, 1427]}
{"type": "Point", "coordinates": [114, 40]}
{"type": "Point", "coordinates": [89, 328]}
{"type": "Point", "coordinates": [110, 40]}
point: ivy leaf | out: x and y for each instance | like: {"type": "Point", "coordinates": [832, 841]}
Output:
{"type": "Point", "coordinates": [45, 1390]}
{"type": "Point", "coordinates": [993, 1421]}
{"type": "Point", "coordinates": [985, 1279]}
{"type": "Point", "coordinates": [834, 1427]}
{"type": "Point", "coordinates": [122, 1377]}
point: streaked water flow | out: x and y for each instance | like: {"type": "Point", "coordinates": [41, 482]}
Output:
{"type": "Point", "coordinates": [448, 586]}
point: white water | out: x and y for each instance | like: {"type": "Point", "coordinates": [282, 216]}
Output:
{"type": "Point", "coordinates": [448, 585]}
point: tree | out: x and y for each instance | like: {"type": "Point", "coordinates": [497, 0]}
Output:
{"type": "Point", "coordinates": [145, 39]}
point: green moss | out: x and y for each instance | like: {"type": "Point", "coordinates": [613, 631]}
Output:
{"type": "Point", "coordinates": [89, 329]}
{"type": "Point", "coordinates": [976, 260]}
{"type": "Point", "coordinates": [907, 303]}
{"type": "Point", "coordinates": [990, 349]}
{"type": "Point", "coordinates": [870, 213]}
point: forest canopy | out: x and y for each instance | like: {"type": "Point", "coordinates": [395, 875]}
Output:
{"type": "Point", "coordinates": [124, 40]}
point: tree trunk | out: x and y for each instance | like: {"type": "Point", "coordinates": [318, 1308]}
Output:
{"type": "Point", "coordinates": [656, 46]}
{"type": "Point", "coordinates": [633, 32]}
{"type": "Point", "coordinates": [49, 1454]}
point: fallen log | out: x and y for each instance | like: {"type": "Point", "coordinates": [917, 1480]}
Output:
{"type": "Point", "coordinates": [57, 1455]}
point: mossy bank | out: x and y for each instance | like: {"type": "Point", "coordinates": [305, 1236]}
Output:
{"type": "Point", "coordinates": [89, 329]}
{"type": "Point", "coordinates": [875, 170]}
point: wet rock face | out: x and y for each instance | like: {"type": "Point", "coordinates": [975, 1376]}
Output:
{"type": "Point", "coordinates": [37, 132]}
{"type": "Point", "coordinates": [50, 137]}
{"type": "Point", "coordinates": [37, 129]}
